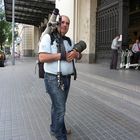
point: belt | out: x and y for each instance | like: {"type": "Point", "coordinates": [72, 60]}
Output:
{"type": "Point", "coordinates": [64, 76]}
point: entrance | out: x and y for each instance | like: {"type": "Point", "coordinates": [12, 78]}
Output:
{"type": "Point", "coordinates": [107, 27]}
{"type": "Point", "coordinates": [116, 17]}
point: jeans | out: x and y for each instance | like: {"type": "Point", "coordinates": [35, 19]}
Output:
{"type": "Point", "coordinates": [58, 98]}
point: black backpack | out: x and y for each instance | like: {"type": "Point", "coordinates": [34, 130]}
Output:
{"type": "Point", "coordinates": [40, 69]}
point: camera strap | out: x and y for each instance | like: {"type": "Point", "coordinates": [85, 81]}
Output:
{"type": "Point", "coordinates": [74, 70]}
{"type": "Point", "coordinates": [63, 49]}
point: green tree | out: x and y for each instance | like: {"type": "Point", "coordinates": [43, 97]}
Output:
{"type": "Point", "coordinates": [5, 29]}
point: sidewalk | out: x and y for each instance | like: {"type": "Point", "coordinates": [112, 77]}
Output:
{"type": "Point", "coordinates": [103, 104]}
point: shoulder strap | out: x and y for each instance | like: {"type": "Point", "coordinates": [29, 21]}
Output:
{"type": "Point", "coordinates": [68, 39]}
{"type": "Point", "coordinates": [64, 38]}
{"type": "Point", "coordinates": [52, 38]}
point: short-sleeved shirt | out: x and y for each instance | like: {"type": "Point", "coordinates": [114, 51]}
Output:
{"type": "Point", "coordinates": [52, 67]}
{"type": "Point", "coordinates": [115, 44]}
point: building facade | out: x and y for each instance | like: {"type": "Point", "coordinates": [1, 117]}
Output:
{"type": "Point", "coordinates": [96, 22]}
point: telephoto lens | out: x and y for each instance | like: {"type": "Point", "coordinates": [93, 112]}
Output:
{"type": "Point", "coordinates": [80, 46]}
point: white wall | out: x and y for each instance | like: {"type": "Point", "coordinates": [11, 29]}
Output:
{"type": "Point", "coordinates": [82, 14]}
{"type": "Point", "coordinates": [66, 8]}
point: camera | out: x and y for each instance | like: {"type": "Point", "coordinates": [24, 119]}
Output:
{"type": "Point", "coordinates": [52, 23]}
{"type": "Point", "coordinates": [80, 46]}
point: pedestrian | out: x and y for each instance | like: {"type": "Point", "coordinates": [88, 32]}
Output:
{"type": "Point", "coordinates": [114, 47]}
{"type": "Point", "coordinates": [49, 54]}
{"type": "Point", "coordinates": [136, 51]}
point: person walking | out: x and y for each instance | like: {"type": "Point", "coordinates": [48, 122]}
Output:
{"type": "Point", "coordinates": [49, 54]}
{"type": "Point", "coordinates": [114, 47]}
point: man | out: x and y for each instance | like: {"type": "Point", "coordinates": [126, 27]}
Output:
{"type": "Point", "coordinates": [136, 51]}
{"type": "Point", "coordinates": [49, 54]}
{"type": "Point", "coordinates": [115, 46]}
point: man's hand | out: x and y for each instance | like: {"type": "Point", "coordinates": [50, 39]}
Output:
{"type": "Point", "coordinates": [72, 55]}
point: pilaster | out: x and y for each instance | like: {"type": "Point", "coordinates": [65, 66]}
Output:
{"type": "Point", "coordinates": [124, 21]}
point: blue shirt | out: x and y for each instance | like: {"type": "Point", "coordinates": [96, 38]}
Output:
{"type": "Point", "coordinates": [52, 67]}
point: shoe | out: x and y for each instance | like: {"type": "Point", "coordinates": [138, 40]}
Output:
{"type": "Point", "coordinates": [115, 68]}
{"type": "Point", "coordinates": [52, 133]}
{"type": "Point", "coordinates": [68, 132]}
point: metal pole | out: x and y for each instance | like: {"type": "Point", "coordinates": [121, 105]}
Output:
{"type": "Point", "coordinates": [13, 32]}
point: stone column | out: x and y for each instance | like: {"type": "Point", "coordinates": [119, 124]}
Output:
{"type": "Point", "coordinates": [124, 21]}
{"type": "Point", "coordinates": [85, 27]}
{"type": "Point", "coordinates": [92, 43]}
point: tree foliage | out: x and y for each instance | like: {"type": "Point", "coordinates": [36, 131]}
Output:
{"type": "Point", "coordinates": [5, 29]}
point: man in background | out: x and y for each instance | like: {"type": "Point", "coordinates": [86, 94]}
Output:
{"type": "Point", "coordinates": [114, 47]}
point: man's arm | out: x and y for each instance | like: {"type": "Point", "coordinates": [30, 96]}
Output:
{"type": "Point", "coordinates": [47, 57]}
